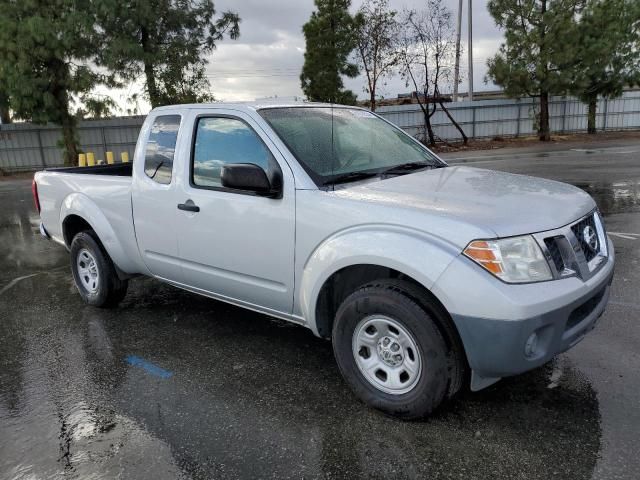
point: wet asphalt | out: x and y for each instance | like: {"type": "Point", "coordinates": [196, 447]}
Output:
{"type": "Point", "coordinates": [173, 385]}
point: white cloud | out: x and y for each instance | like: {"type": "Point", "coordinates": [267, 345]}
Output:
{"type": "Point", "coordinates": [244, 71]}
{"type": "Point", "coordinates": [267, 58]}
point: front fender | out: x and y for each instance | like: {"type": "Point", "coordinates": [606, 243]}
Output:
{"type": "Point", "coordinates": [421, 256]}
{"type": "Point", "coordinates": [82, 206]}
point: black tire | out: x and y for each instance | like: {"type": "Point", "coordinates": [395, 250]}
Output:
{"type": "Point", "coordinates": [388, 300]}
{"type": "Point", "coordinates": [110, 289]}
{"type": "Point", "coordinates": [457, 361]}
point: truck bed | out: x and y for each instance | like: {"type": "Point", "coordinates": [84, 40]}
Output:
{"type": "Point", "coordinates": [101, 195]}
{"type": "Point", "coordinates": [118, 169]}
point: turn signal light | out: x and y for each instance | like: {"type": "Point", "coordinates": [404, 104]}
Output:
{"type": "Point", "coordinates": [481, 252]}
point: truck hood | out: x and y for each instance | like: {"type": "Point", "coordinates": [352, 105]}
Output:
{"type": "Point", "coordinates": [506, 203]}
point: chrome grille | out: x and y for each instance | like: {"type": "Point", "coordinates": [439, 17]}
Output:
{"type": "Point", "coordinates": [579, 249]}
{"type": "Point", "coordinates": [587, 236]}
{"type": "Point", "coordinates": [554, 252]}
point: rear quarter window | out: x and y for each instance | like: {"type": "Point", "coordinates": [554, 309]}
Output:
{"type": "Point", "coordinates": [160, 148]}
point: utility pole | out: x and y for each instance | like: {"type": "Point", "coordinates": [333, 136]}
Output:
{"type": "Point", "coordinates": [456, 75]}
{"type": "Point", "coordinates": [470, 47]}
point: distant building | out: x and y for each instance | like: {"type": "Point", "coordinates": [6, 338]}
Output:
{"type": "Point", "coordinates": [277, 99]}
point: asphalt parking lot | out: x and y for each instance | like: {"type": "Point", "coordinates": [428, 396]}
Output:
{"type": "Point", "coordinates": [173, 385]}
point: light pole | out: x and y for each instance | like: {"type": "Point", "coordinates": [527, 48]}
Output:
{"type": "Point", "coordinates": [470, 47]}
{"type": "Point", "coordinates": [456, 72]}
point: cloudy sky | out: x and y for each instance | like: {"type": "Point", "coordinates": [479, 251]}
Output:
{"type": "Point", "coordinates": [266, 60]}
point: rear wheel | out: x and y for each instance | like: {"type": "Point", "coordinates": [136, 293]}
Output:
{"type": "Point", "coordinates": [94, 273]}
{"type": "Point", "coordinates": [390, 351]}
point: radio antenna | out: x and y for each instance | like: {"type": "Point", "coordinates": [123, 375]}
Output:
{"type": "Point", "coordinates": [333, 156]}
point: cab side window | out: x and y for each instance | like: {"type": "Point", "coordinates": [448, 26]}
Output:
{"type": "Point", "coordinates": [223, 140]}
{"type": "Point", "coordinates": [160, 149]}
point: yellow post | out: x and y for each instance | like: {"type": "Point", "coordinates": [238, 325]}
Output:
{"type": "Point", "coordinates": [82, 160]}
{"type": "Point", "coordinates": [110, 158]}
{"type": "Point", "coordinates": [124, 156]}
{"type": "Point", "coordinates": [91, 160]}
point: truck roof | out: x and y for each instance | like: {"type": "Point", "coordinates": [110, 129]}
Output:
{"type": "Point", "coordinates": [246, 106]}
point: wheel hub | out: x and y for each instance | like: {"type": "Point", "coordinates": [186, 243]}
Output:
{"type": "Point", "coordinates": [386, 354]}
{"type": "Point", "coordinates": [88, 272]}
{"type": "Point", "coordinates": [390, 351]}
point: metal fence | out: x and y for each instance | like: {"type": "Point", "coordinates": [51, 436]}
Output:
{"type": "Point", "coordinates": [25, 146]}
{"type": "Point", "coordinates": [516, 117]}
{"type": "Point", "coordinates": [30, 147]}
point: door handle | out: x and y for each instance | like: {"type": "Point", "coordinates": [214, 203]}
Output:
{"type": "Point", "coordinates": [189, 206]}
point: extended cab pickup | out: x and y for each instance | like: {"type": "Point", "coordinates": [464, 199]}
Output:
{"type": "Point", "coordinates": [426, 277]}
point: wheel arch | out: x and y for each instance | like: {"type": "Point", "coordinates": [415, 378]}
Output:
{"type": "Point", "coordinates": [72, 225]}
{"type": "Point", "coordinates": [377, 252]}
{"type": "Point", "coordinates": [367, 251]}
{"type": "Point", "coordinates": [348, 279]}
{"type": "Point", "coordinates": [80, 213]}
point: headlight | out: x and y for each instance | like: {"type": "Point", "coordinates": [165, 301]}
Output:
{"type": "Point", "coordinates": [514, 260]}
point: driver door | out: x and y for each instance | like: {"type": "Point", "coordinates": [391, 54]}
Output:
{"type": "Point", "coordinates": [238, 246]}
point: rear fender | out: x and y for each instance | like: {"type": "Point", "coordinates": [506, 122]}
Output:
{"type": "Point", "coordinates": [82, 206]}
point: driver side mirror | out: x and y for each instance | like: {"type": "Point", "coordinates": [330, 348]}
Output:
{"type": "Point", "coordinates": [248, 177]}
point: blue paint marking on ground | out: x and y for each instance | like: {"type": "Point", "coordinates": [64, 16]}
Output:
{"type": "Point", "coordinates": [148, 366]}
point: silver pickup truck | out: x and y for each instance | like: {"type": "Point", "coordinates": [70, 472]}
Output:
{"type": "Point", "coordinates": [426, 277]}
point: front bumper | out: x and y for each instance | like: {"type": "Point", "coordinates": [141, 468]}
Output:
{"type": "Point", "coordinates": [560, 312]}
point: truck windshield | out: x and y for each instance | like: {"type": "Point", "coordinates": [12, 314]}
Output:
{"type": "Point", "coordinates": [340, 144]}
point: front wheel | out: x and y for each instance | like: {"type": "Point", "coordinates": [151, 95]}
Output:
{"type": "Point", "coordinates": [391, 351]}
{"type": "Point", "coordinates": [94, 273]}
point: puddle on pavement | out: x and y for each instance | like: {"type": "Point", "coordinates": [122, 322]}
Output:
{"type": "Point", "coordinates": [616, 197]}
{"type": "Point", "coordinates": [248, 399]}
{"type": "Point", "coordinates": [23, 250]}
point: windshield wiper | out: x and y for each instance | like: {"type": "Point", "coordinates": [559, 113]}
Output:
{"type": "Point", "coordinates": [406, 167]}
{"type": "Point", "coordinates": [350, 177]}
{"type": "Point", "coordinates": [395, 170]}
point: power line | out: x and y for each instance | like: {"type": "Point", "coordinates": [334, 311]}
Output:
{"type": "Point", "coordinates": [254, 76]}
{"type": "Point", "coordinates": [276, 73]}
{"type": "Point", "coordinates": [250, 69]}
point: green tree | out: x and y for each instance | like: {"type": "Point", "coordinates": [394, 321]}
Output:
{"type": "Point", "coordinates": [166, 41]}
{"type": "Point", "coordinates": [96, 106]}
{"type": "Point", "coordinates": [376, 40]}
{"type": "Point", "coordinates": [5, 102]}
{"type": "Point", "coordinates": [537, 51]}
{"type": "Point", "coordinates": [5, 107]}
{"type": "Point", "coordinates": [45, 49]}
{"type": "Point", "coordinates": [330, 39]}
{"type": "Point", "coordinates": [608, 52]}
{"type": "Point", "coordinates": [184, 84]}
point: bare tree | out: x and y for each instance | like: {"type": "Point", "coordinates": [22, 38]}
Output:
{"type": "Point", "coordinates": [427, 51]}
{"type": "Point", "coordinates": [414, 68]}
{"type": "Point", "coordinates": [376, 34]}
